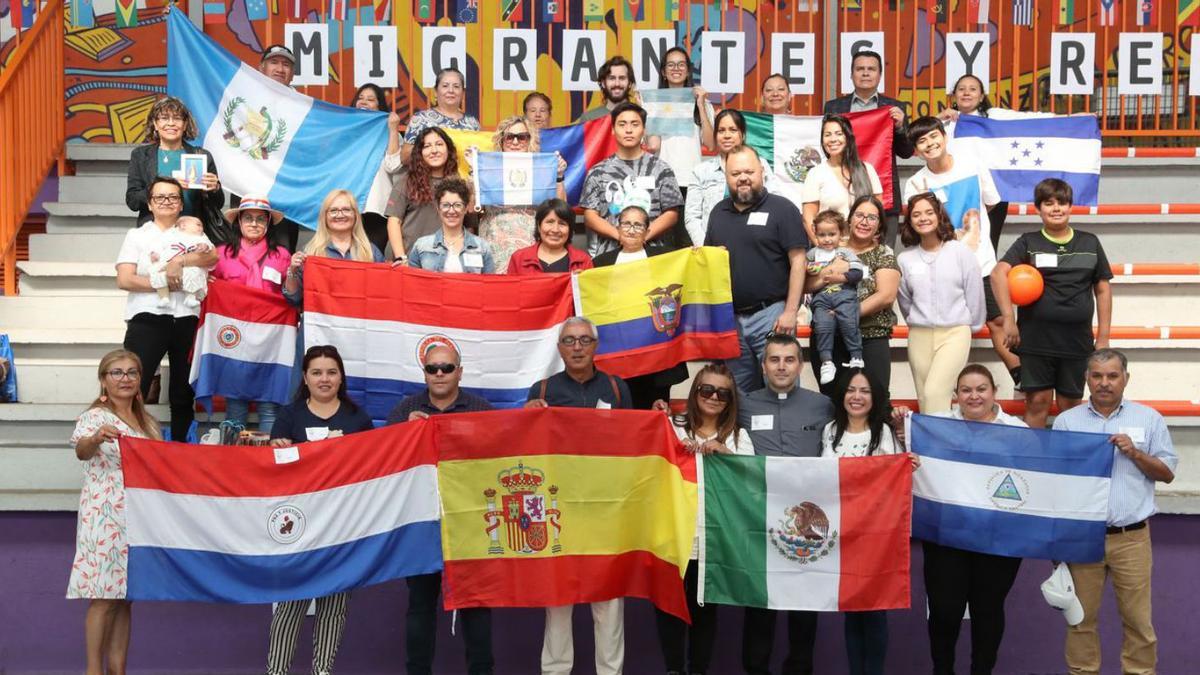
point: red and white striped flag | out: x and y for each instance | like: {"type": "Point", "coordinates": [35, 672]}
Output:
{"type": "Point", "coordinates": [338, 9]}
{"type": "Point", "coordinates": [977, 12]}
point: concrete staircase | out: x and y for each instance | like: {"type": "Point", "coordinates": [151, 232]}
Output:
{"type": "Point", "coordinates": [69, 314]}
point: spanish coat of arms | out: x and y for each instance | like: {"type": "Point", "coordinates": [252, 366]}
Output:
{"type": "Point", "coordinates": [530, 519]}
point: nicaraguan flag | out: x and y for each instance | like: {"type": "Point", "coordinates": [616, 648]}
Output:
{"type": "Point", "coordinates": [251, 524]}
{"type": "Point", "coordinates": [515, 178]}
{"type": "Point", "coordinates": [1024, 151]}
{"type": "Point", "coordinates": [267, 138]}
{"type": "Point", "coordinates": [384, 320]}
{"type": "Point", "coordinates": [669, 112]}
{"type": "Point", "coordinates": [1004, 490]}
{"type": "Point", "coordinates": [245, 345]}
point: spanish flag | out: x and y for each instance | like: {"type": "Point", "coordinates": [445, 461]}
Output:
{"type": "Point", "coordinates": [655, 313]}
{"type": "Point", "coordinates": [557, 506]}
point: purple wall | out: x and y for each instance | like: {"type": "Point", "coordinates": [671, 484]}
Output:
{"type": "Point", "coordinates": [40, 631]}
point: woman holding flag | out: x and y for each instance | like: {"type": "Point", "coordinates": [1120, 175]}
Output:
{"type": "Point", "coordinates": [100, 569]}
{"type": "Point", "coordinates": [841, 177]}
{"type": "Point", "coordinates": [509, 228]}
{"type": "Point", "coordinates": [252, 261]}
{"type": "Point", "coordinates": [682, 153]}
{"type": "Point", "coordinates": [553, 251]}
{"type": "Point", "coordinates": [322, 409]}
{"type": "Point", "coordinates": [956, 579]}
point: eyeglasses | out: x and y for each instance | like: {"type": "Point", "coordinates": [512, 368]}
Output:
{"type": "Point", "coordinates": [675, 65]}
{"type": "Point", "coordinates": [865, 218]}
{"type": "Point", "coordinates": [582, 341]}
{"type": "Point", "coordinates": [435, 368]}
{"type": "Point", "coordinates": [341, 211]}
{"type": "Point", "coordinates": [455, 206]}
{"type": "Point", "coordinates": [168, 118]}
{"type": "Point", "coordinates": [522, 137]}
{"type": "Point", "coordinates": [118, 374]}
{"type": "Point", "coordinates": [722, 394]}
{"type": "Point", "coordinates": [255, 220]}
{"type": "Point", "coordinates": [632, 227]}
{"type": "Point", "coordinates": [166, 199]}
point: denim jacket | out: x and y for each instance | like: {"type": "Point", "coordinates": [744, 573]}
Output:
{"type": "Point", "coordinates": [429, 253]}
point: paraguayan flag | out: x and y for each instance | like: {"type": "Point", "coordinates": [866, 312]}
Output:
{"type": "Point", "coordinates": [514, 178]}
{"type": "Point", "coordinates": [267, 138]}
{"type": "Point", "coordinates": [1021, 152]}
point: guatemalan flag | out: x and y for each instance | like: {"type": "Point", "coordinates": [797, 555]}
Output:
{"type": "Point", "coordinates": [1013, 491]}
{"type": "Point", "coordinates": [245, 345]}
{"type": "Point", "coordinates": [514, 178]}
{"type": "Point", "coordinates": [1022, 152]}
{"type": "Point", "coordinates": [268, 138]}
{"type": "Point", "coordinates": [384, 320]}
{"type": "Point", "coordinates": [252, 524]}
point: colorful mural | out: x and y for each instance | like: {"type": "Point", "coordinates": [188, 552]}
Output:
{"type": "Point", "coordinates": [116, 67]}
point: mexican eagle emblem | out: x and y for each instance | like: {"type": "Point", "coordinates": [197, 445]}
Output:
{"type": "Point", "coordinates": [803, 535]}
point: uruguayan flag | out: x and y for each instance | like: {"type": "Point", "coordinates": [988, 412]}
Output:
{"type": "Point", "coordinates": [669, 112]}
{"type": "Point", "coordinates": [1022, 152]}
{"type": "Point", "coordinates": [1014, 491]}
{"type": "Point", "coordinates": [267, 138]}
{"type": "Point", "coordinates": [515, 178]}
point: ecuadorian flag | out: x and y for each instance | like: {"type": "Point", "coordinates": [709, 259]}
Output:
{"type": "Point", "coordinates": [655, 313]}
{"type": "Point", "coordinates": [537, 514]}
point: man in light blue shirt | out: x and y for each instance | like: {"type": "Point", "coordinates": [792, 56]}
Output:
{"type": "Point", "coordinates": [1144, 456]}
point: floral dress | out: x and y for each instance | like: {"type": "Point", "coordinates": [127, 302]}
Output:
{"type": "Point", "coordinates": [507, 229]}
{"type": "Point", "coordinates": [101, 551]}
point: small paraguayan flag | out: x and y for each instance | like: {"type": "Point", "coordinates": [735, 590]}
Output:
{"type": "Point", "coordinates": [515, 178]}
{"type": "Point", "coordinates": [267, 138]}
{"type": "Point", "coordinates": [1145, 13]}
{"type": "Point", "coordinates": [1022, 12]}
{"type": "Point", "coordinates": [669, 112]}
{"type": "Point", "coordinates": [256, 10]}
{"type": "Point", "coordinates": [1022, 152]}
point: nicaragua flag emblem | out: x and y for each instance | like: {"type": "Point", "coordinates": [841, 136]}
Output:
{"type": "Point", "coordinates": [267, 138]}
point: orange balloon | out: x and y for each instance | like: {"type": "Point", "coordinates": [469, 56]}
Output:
{"type": "Point", "coordinates": [1025, 285]}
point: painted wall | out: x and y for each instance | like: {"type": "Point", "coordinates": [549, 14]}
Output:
{"type": "Point", "coordinates": [41, 632]}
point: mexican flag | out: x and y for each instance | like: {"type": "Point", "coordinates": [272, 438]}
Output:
{"type": "Point", "coordinates": [793, 144]}
{"type": "Point", "coordinates": [799, 533]}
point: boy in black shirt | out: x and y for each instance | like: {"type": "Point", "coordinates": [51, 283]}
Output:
{"type": "Point", "coordinates": [1054, 334]}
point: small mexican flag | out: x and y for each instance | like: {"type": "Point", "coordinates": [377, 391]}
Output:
{"type": "Point", "coordinates": [816, 534]}
{"type": "Point", "coordinates": [792, 144]}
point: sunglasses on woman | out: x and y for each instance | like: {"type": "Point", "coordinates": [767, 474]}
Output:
{"type": "Point", "coordinates": [435, 368]}
{"type": "Point", "coordinates": [722, 394]}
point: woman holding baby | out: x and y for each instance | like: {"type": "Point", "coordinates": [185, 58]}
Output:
{"type": "Point", "coordinates": [162, 265]}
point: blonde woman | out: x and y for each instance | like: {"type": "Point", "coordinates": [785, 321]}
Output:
{"type": "Point", "coordinates": [339, 234]}
{"type": "Point", "coordinates": [510, 228]}
{"type": "Point", "coordinates": [100, 569]}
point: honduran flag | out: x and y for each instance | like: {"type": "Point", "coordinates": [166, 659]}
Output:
{"type": "Point", "coordinates": [514, 178]}
{"type": "Point", "coordinates": [1026, 493]}
{"type": "Point", "coordinates": [805, 533]}
{"type": "Point", "coordinates": [245, 345]}
{"type": "Point", "coordinates": [558, 506]}
{"type": "Point", "coordinates": [654, 313]}
{"type": "Point", "coordinates": [268, 138]}
{"type": "Point", "coordinates": [1021, 152]}
{"type": "Point", "coordinates": [253, 524]}
{"type": "Point", "coordinates": [384, 320]}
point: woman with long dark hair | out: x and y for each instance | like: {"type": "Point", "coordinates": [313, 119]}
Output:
{"type": "Point", "coordinates": [708, 425]}
{"type": "Point", "coordinates": [411, 212]}
{"type": "Point", "coordinates": [683, 153]}
{"type": "Point", "coordinates": [322, 409]}
{"type": "Point", "coordinates": [841, 177]}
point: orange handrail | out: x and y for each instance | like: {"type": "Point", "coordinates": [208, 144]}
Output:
{"type": "Point", "coordinates": [32, 129]}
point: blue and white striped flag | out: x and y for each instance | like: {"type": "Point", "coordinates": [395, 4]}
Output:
{"type": "Point", "coordinates": [515, 178]}
{"type": "Point", "coordinates": [669, 112]}
{"type": "Point", "coordinates": [1013, 491]}
{"type": "Point", "coordinates": [1022, 12]}
{"type": "Point", "coordinates": [267, 138]}
{"type": "Point", "coordinates": [1024, 151]}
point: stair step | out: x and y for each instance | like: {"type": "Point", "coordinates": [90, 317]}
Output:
{"type": "Point", "coordinates": [56, 312]}
{"type": "Point", "coordinates": [101, 188]}
{"type": "Point", "coordinates": [72, 247]}
{"type": "Point", "coordinates": [100, 159]}
{"type": "Point", "coordinates": [69, 279]}
{"type": "Point", "coordinates": [88, 218]}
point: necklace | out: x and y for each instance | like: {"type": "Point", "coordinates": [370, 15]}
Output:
{"type": "Point", "coordinates": [926, 257]}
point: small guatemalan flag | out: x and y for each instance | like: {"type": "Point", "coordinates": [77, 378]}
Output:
{"type": "Point", "coordinates": [515, 178]}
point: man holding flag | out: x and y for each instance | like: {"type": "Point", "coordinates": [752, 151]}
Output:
{"type": "Point", "coordinates": [1144, 456]}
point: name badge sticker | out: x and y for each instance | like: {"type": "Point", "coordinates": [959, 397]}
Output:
{"type": "Point", "coordinates": [316, 433]}
{"type": "Point", "coordinates": [1135, 434]}
{"type": "Point", "coordinates": [272, 274]}
{"type": "Point", "coordinates": [472, 260]}
{"type": "Point", "coordinates": [762, 422]}
{"type": "Point", "coordinates": [1045, 260]}
{"type": "Point", "coordinates": [757, 218]}
{"type": "Point", "coordinates": [603, 405]}
{"type": "Point", "coordinates": [287, 455]}
{"type": "Point", "coordinates": [645, 182]}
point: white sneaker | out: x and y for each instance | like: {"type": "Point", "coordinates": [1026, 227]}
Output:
{"type": "Point", "coordinates": [856, 363]}
{"type": "Point", "coordinates": [828, 372]}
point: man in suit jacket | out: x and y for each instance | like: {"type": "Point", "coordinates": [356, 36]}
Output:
{"type": "Point", "coordinates": [865, 70]}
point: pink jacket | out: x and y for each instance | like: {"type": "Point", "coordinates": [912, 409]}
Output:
{"type": "Point", "coordinates": [247, 267]}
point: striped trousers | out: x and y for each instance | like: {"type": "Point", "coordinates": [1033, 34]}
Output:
{"type": "Point", "coordinates": [327, 633]}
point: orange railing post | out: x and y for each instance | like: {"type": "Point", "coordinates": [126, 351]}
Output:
{"type": "Point", "coordinates": [32, 126]}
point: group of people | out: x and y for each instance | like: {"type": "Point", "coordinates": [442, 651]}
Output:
{"type": "Point", "coordinates": [832, 242]}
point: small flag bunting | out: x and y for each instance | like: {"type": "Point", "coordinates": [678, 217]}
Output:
{"type": "Point", "coordinates": [1022, 12]}
{"type": "Point", "coordinates": [256, 10]}
{"type": "Point", "coordinates": [1066, 12]}
{"type": "Point", "coordinates": [977, 12]}
{"type": "Point", "coordinates": [83, 15]}
{"type": "Point", "coordinates": [214, 12]}
{"type": "Point", "coordinates": [1108, 12]}
{"type": "Point", "coordinates": [593, 10]}
{"type": "Point", "coordinates": [512, 11]}
{"type": "Point", "coordinates": [1145, 13]}
{"type": "Point", "coordinates": [127, 13]}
